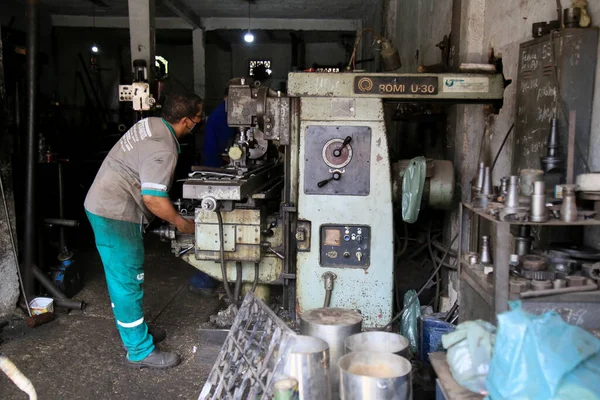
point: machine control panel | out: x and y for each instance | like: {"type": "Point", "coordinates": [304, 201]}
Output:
{"type": "Point", "coordinates": [345, 246]}
{"type": "Point", "coordinates": [338, 160]}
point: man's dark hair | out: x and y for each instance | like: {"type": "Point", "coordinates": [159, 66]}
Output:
{"type": "Point", "coordinates": [180, 105]}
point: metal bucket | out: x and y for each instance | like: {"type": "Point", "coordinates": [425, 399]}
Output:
{"type": "Point", "coordinates": [332, 325]}
{"type": "Point", "coordinates": [308, 362]}
{"type": "Point", "coordinates": [375, 376]}
{"type": "Point", "coordinates": [381, 342]}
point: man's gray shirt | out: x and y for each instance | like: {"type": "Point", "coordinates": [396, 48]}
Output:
{"type": "Point", "coordinates": [142, 162]}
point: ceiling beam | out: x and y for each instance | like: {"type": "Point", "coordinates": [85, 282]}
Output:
{"type": "Point", "coordinates": [212, 24]}
{"type": "Point", "coordinates": [183, 11]}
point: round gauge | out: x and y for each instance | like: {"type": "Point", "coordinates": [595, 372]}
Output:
{"type": "Point", "coordinates": [343, 159]}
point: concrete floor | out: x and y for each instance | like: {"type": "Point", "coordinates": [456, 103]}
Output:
{"type": "Point", "coordinates": [78, 356]}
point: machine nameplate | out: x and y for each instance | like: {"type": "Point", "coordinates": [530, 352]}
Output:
{"type": "Point", "coordinates": [466, 85]}
{"type": "Point", "coordinates": [391, 85]}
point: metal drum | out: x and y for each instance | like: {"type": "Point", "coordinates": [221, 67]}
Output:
{"type": "Point", "coordinates": [375, 376]}
{"type": "Point", "coordinates": [381, 342]}
{"type": "Point", "coordinates": [332, 325]}
{"type": "Point", "coordinates": [308, 362]}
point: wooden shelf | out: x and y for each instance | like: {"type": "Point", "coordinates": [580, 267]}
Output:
{"type": "Point", "coordinates": [477, 280]}
{"type": "Point", "coordinates": [551, 222]}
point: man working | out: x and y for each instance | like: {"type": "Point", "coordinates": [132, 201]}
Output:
{"type": "Point", "coordinates": [130, 188]}
{"type": "Point", "coordinates": [217, 138]}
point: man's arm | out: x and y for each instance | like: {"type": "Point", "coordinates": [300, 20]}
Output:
{"type": "Point", "coordinates": [163, 209]}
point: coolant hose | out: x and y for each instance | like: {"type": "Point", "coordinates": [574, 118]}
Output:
{"type": "Point", "coordinates": [223, 265]}
{"type": "Point", "coordinates": [13, 373]}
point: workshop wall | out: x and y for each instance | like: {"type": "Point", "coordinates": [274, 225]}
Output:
{"type": "Point", "coordinates": [280, 55]}
{"type": "Point", "coordinates": [325, 54]}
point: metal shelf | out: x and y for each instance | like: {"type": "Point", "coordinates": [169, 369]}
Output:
{"type": "Point", "coordinates": [551, 222]}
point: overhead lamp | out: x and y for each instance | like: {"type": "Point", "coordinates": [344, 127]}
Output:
{"type": "Point", "coordinates": [94, 48]}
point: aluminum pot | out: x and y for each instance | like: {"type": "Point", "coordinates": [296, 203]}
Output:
{"type": "Point", "coordinates": [375, 376]}
{"type": "Point", "coordinates": [308, 363]}
{"type": "Point", "coordinates": [381, 342]}
{"type": "Point", "coordinates": [333, 325]}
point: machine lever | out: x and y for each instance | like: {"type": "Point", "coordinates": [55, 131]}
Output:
{"type": "Point", "coordinates": [338, 152]}
{"type": "Point", "coordinates": [334, 177]}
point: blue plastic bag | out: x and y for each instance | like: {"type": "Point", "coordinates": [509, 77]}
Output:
{"type": "Point", "coordinates": [543, 358]}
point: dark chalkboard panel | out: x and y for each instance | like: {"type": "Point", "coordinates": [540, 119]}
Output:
{"type": "Point", "coordinates": [575, 51]}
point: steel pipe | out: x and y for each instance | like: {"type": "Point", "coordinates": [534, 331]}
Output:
{"type": "Point", "coordinates": [59, 297]}
{"type": "Point", "coordinates": [33, 8]}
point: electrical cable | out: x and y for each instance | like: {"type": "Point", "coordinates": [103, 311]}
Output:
{"type": "Point", "coordinates": [422, 287]}
{"type": "Point", "coordinates": [255, 278]}
{"type": "Point", "coordinates": [502, 146]}
{"type": "Point", "coordinates": [352, 62]}
{"type": "Point", "coordinates": [222, 253]}
{"type": "Point", "coordinates": [238, 280]}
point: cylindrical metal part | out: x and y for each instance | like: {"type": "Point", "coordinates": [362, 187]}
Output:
{"type": "Point", "coordinates": [532, 262]}
{"type": "Point", "coordinates": [512, 196]}
{"type": "Point", "coordinates": [568, 209]}
{"type": "Point", "coordinates": [441, 185]}
{"type": "Point", "coordinates": [333, 325]}
{"type": "Point", "coordinates": [527, 178]}
{"type": "Point", "coordinates": [541, 285]}
{"type": "Point", "coordinates": [308, 362]}
{"type": "Point", "coordinates": [576, 281]}
{"type": "Point", "coordinates": [559, 283]}
{"type": "Point", "coordinates": [379, 342]}
{"type": "Point", "coordinates": [70, 304]}
{"type": "Point", "coordinates": [551, 160]}
{"type": "Point", "coordinates": [486, 190]}
{"type": "Point", "coordinates": [29, 248]}
{"type": "Point", "coordinates": [486, 253]}
{"type": "Point", "coordinates": [523, 241]}
{"type": "Point", "coordinates": [480, 176]}
{"type": "Point", "coordinates": [71, 223]}
{"type": "Point", "coordinates": [370, 375]}
{"type": "Point", "coordinates": [571, 17]}
{"type": "Point", "coordinates": [518, 285]}
{"type": "Point", "coordinates": [539, 211]}
{"type": "Point", "coordinates": [592, 271]}
{"type": "Point", "coordinates": [503, 186]}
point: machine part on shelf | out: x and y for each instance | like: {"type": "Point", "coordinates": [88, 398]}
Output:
{"type": "Point", "coordinates": [485, 252]}
{"type": "Point", "coordinates": [370, 375]}
{"type": "Point", "coordinates": [519, 285]}
{"type": "Point", "coordinates": [553, 292]}
{"type": "Point", "coordinates": [328, 279]}
{"type": "Point", "coordinates": [539, 211]}
{"type": "Point", "coordinates": [568, 209]}
{"type": "Point", "coordinates": [512, 196]}
{"type": "Point", "coordinates": [523, 241]}
{"type": "Point", "coordinates": [333, 325]}
{"type": "Point", "coordinates": [503, 187]}
{"type": "Point", "coordinates": [532, 262]}
{"type": "Point", "coordinates": [595, 197]}
{"type": "Point", "coordinates": [571, 17]}
{"type": "Point", "coordinates": [379, 342]}
{"type": "Point", "coordinates": [552, 161]}
{"type": "Point", "coordinates": [308, 362]}
{"type": "Point", "coordinates": [538, 275]}
{"type": "Point", "coordinates": [540, 285]}
{"type": "Point", "coordinates": [60, 300]}
{"type": "Point", "coordinates": [471, 258]}
{"type": "Point", "coordinates": [527, 178]}
{"type": "Point", "coordinates": [576, 281]}
{"type": "Point", "coordinates": [486, 190]}
{"type": "Point", "coordinates": [479, 178]}
{"type": "Point", "coordinates": [559, 283]}
{"type": "Point", "coordinates": [517, 214]}
{"type": "Point", "coordinates": [17, 377]}
{"type": "Point", "coordinates": [390, 56]}
{"type": "Point", "coordinates": [286, 389]}
{"type": "Point", "coordinates": [70, 223]}
{"type": "Point", "coordinates": [575, 251]}
{"type": "Point", "coordinates": [236, 373]}
{"type": "Point", "coordinates": [592, 271]}
{"type": "Point", "coordinates": [562, 266]}
{"type": "Point", "coordinates": [588, 182]}
{"type": "Point", "coordinates": [14, 246]}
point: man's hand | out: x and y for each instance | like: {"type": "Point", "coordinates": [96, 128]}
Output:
{"type": "Point", "coordinates": [186, 225]}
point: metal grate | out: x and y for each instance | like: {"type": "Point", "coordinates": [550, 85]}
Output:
{"type": "Point", "coordinates": [253, 355]}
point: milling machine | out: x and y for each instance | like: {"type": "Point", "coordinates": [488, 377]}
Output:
{"type": "Point", "coordinates": [306, 200]}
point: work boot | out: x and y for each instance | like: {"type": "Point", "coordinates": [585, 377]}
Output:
{"type": "Point", "coordinates": [157, 359]}
{"type": "Point", "coordinates": [158, 335]}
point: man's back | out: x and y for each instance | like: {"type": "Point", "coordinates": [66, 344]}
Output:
{"type": "Point", "coordinates": [217, 137]}
{"type": "Point", "coordinates": [141, 162]}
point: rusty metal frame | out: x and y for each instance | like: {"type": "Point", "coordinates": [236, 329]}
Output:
{"type": "Point", "coordinates": [253, 355]}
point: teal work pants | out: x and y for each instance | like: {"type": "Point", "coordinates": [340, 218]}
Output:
{"type": "Point", "coordinates": [121, 249]}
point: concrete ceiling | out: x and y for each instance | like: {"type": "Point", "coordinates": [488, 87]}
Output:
{"type": "Point", "coordinates": [296, 9]}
